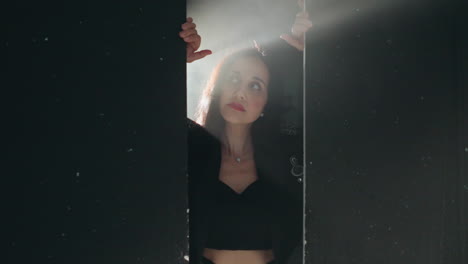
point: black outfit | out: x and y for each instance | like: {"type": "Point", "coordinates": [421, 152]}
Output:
{"type": "Point", "coordinates": [207, 261]}
{"type": "Point", "coordinates": [263, 216]}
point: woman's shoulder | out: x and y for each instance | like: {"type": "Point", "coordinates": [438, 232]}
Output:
{"type": "Point", "coordinates": [201, 145]}
{"type": "Point", "coordinates": [203, 153]}
{"type": "Point", "coordinates": [198, 135]}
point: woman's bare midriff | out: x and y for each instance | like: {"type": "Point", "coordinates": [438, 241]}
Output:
{"type": "Point", "coordinates": [238, 256]}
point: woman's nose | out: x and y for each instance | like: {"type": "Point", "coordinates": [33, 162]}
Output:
{"type": "Point", "coordinates": [240, 91]}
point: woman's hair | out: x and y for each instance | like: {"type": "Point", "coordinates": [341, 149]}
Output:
{"type": "Point", "coordinates": [208, 113]}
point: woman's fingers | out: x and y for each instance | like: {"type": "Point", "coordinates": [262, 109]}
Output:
{"type": "Point", "coordinates": [303, 14]}
{"type": "Point", "coordinates": [301, 4]}
{"type": "Point", "coordinates": [189, 24]}
{"type": "Point", "coordinates": [300, 29]}
{"type": "Point", "coordinates": [304, 21]}
{"type": "Point", "coordinates": [198, 55]}
{"type": "Point", "coordinates": [301, 25]}
{"type": "Point", "coordinates": [189, 32]}
{"type": "Point", "coordinates": [192, 38]}
{"type": "Point", "coordinates": [293, 41]}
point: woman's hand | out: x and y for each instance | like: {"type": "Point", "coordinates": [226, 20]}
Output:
{"type": "Point", "coordinates": [298, 30]}
{"type": "Point", "coordinates": [193, 40]}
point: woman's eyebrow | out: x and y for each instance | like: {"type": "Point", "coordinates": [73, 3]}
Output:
{"type": "Point", "coordinates": [259, 79]}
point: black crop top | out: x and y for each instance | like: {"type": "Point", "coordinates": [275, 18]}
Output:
{"type": "Point", "coordinates": [261, 217]}
{"type": "Point", "coordinates": [238, 221]}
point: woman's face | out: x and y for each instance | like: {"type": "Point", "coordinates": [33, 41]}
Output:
{"type": "Point", "coordinates": [244, 91]}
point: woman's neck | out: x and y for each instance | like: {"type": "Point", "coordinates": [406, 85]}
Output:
{"type": "Point", "coordinates": [237, 139]}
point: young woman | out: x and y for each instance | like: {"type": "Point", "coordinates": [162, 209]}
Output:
{"type": "Point", "coordinates": [238, 211]}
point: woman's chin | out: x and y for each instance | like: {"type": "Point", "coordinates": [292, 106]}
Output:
{"type": "Point", "coordinates": [235, 117]}
{"type": "Point", "coordinates": [234, 120]}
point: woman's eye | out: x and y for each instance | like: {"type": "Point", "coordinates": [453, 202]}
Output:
{"type": "Point", "coordinates": [256, 87]}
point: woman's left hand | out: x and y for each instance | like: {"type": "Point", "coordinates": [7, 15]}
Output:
{"type": "Point", "coordinates": [298, 30]}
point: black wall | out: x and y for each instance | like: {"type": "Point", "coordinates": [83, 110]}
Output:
{"type": "Point", "coordinates": [94, 96]}
{"type": "Point", "coordinates": [386, 133]}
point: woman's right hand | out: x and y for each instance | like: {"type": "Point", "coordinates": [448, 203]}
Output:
{"type": "Point", "coordinates": [190, 35]}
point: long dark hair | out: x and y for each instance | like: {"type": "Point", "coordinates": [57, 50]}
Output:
{"type": "Point", "coordinates": [265, 131]}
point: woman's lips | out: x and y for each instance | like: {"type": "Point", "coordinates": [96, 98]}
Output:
{"type": "Point", "coordinates": [237, 107]}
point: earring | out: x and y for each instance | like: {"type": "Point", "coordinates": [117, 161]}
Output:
{"type": "Point", "coordinates": [261, 115]}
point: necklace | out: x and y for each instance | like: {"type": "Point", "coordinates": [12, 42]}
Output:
{"type": "Point", "coordinates": [237, 158]}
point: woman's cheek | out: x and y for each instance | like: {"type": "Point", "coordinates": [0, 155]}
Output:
{"type": "Point", "coordinates": [258, 105]}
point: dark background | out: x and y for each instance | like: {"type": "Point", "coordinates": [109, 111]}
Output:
{"type": "Point", "coordinates": [387, 133]}
{"type": "Point", "coordinates": [94, 128]}
{"type": "Point", "coordinates": [94, 97]}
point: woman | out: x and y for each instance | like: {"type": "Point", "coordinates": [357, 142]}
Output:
{"type": "Point", "coordinates": [238, 213]}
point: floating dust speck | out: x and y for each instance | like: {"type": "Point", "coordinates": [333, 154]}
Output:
{"type": "Point", "coordinates": [161, 59]}
{"type": "Point", "coordinates": [130, 150]}
{"type": "Point", "coordinates": [421, 98]}
{"type": "Point", "coordinates": [346, 124]}
{"type": "Point", "coordinates": [46, 39]}
{"type": "Point", "coordinates": [299, 179]}
{"type": "Point", "coordinates": [186, 257]}
{"type": "Point", "coordinates": [466, 149]}
{"type": "Point", "coordinates": [77, 174]}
